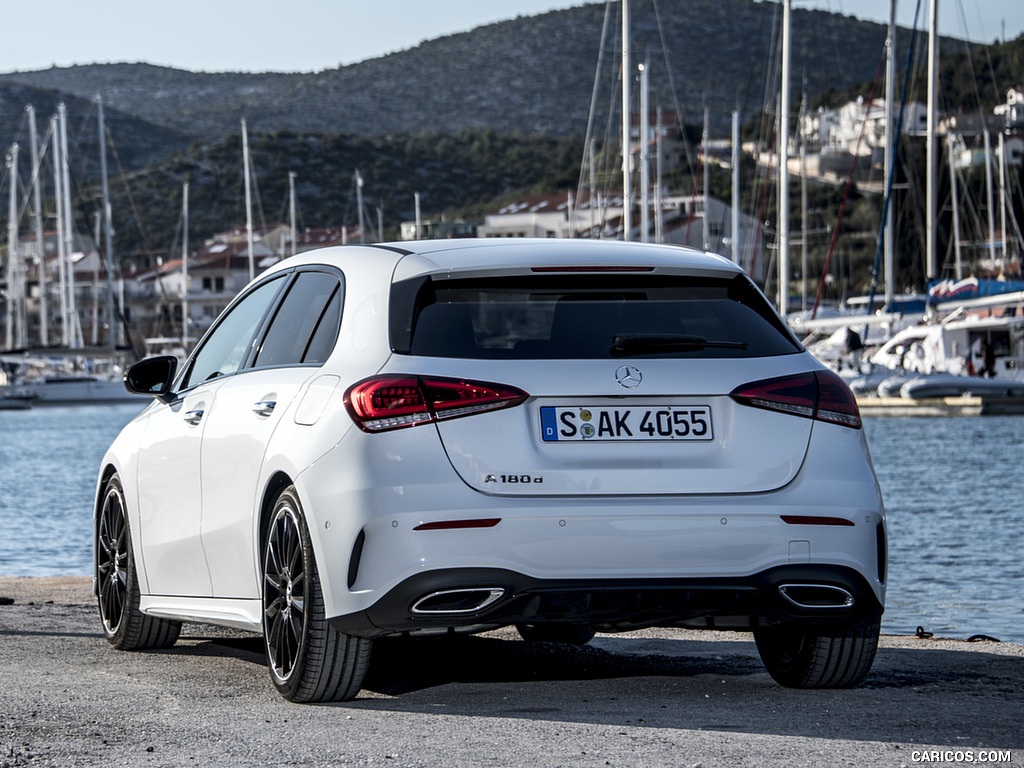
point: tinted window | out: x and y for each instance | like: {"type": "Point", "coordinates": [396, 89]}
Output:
{"type": "Point", "coordinates": [326, 333]}
{"type": "Point", "coordinates": [305, 326]}
{"type": "Point", "coordinates": [227, 347]}
{"type": "Point", "coordinates": [589, 316]}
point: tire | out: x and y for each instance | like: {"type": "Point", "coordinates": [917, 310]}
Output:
{"type": "Point", "coordinates": [570, 634]}
{"type": "Point", "coordinates": [124, 625]}
{"type": "Point", "coordinates": [799, 656]}
{"type": "Point", "coordinates": [309, 661]}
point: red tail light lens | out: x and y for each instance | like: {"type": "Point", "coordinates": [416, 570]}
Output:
{"type": "Point", "coordinates": [381, 403]}
{"type": "Point", "coordinates": [387, 402]}
{"type": "Point", "coordinates": [836, 402]}
{"type": "Point", "coordinates": [820, 395]}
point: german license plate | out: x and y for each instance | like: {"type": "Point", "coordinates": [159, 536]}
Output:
{"type": "Point", "coordinates": [639, 423]}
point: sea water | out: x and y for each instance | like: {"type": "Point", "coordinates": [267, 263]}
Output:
{"type": "Point", "coordinates": [49, 460]}
{"type": "Point", "coordinates": [955, 518]}
{"type": "Point", "coordinates": [955, 522]}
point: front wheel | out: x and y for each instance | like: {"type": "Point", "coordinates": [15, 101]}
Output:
{"type": "Point", "coordinates": [308, 659]}
{"type": "Point", "coordinates": [124, 625]}
{"type": "Point", "coordinates": [798, 656]}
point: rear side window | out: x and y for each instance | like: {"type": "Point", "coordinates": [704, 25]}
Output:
{"type": "Point", "coordinates": [305, 326]}
{"type": "Point", "coordinates": [586, 317]}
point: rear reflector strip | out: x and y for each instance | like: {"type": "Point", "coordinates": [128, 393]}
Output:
{"type": "Point", "coordinates": [454, 525]}
{"type": "Point", "coordinates": [816, 520]}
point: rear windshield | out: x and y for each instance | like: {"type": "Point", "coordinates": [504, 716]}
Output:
{"type": "Point", "coordinates": [575, 316]}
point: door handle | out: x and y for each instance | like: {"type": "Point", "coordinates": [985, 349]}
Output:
{"type": "Point", "coordinates": [194, 417]}
{"type": "Point", "coordinates": [264, 407]}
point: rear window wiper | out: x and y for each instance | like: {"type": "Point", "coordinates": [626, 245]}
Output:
{"type": "Point", "coordinates": [672, 342]}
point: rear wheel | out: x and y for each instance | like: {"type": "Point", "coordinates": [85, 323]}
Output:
{"type": "Point", "coordinates": [798, 656]}
{"type": "Point", "coordinates": [308, 659]}
{"type": "Point", "coordinates": [571, 634]}
{"type": "Point", "coordinates": [124, 625]}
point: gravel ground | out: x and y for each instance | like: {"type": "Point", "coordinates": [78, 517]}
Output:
{"type": "Point", "coordinates": [651, 698]}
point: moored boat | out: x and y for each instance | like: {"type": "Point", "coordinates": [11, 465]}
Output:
{"type": "Point", "coordinates": [80, 390]}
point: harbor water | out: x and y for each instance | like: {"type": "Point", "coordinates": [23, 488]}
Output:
{"type": "Point", "coordinates": [956, 521]}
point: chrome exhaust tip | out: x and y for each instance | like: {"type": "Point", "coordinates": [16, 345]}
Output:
{"type": "Point", "coordinates": [457, 601]}
{"type": "Point", "coordinates": [816, 596]}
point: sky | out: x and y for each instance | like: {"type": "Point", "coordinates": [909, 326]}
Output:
{"type": "Point", "coordinates": [313, 35]}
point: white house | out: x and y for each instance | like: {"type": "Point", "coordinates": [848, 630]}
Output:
{"type": "Point", "coordinates": [1013, 110]}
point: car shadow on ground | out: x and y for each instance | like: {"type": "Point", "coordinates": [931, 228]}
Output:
{"type": "Point", "coordinates": [913, 695]}
{"type": "Point", "coordinates": [404, 665]}
{"type": "Point", "coordinates": [917, 696]}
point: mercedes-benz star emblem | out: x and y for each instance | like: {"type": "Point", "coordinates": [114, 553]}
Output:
{"type": "Point", "coordinates": [628, 376]}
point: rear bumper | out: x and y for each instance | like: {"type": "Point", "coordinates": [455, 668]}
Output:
{"type": "Point", "coordinates": [476, 599]}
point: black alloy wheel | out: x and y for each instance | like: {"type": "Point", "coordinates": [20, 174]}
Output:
{"type": "Point", "coordinates": [124, 625]}
{"type": "Point", "coordinates": [308, 659]}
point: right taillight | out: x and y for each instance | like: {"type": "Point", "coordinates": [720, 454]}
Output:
{"type": "Point", "coordinates": [820, 395]}
{"type": "Point", "coordinates": [385, 402]}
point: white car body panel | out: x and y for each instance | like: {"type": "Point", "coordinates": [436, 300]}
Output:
{"type": "Point", "coordinates": [169, 479]}
{"type": "Point", "coordinates": [232, 466]}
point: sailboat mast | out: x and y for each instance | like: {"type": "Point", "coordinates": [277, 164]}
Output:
{"type": "Point", "coordinates": [37, 207]}
{"type": "Point", "coordinates": [706, 194]}
{"type": "Point", "coordinates": [888, 238]}
{"type": "Point", "coordinates": [804, 255]}
{"type": "Point", "coordinates": [419, 217]}
{"type": "Point", "coordinates": [291, 211]}
{"type": "Point", "coordinates": [645, 180]}
{"type": "Point", "coordinates": [991, 199]}
{"type": "Point", "coordinates": [108, 227]}
{"type": "Point", "coordinates": [659, 229]}
{"type": "Point", "coordinates": [1002, 196]}
{"type": "Point", "coordinates": [12, 253]}
{"type": "Point", "coordinates": [58, 186]}
{"type": "Point", "coordinates": [627, 200]}
{"type": "Point", "coordinates": [735, 218]}
{"type": "Point", "coordinates": [784, 164]}
{"type": "Point", "coordinates": [930, 152]}
{"type": "Point", "coordinates": [359, 206]}
{"type": "Point", "coordinates": [593, 202]}
{"type": "Point", "coordinates": [94, 309]}
{"type": "Point", "coordinates": [248, 201]}
{"type": "Point", "coordinates": [955, 200]}
{"type": "Point", "coordinates": [75, 326]}
{"type": "Point", "coordinates": [184, 266]}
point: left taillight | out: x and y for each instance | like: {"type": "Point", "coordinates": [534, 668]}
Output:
{"type": "Point", "coordinates": [820, 395]}
{"type": "Point", "coordinates": [385, 402]}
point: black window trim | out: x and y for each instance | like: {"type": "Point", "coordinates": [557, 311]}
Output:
{"type": "Point", "coordinates": [286, 277]}
{"type": "Point", "coordinates": [264, 329]}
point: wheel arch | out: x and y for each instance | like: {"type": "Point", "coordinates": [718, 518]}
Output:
{"type": "Point", "coordinates": [277, 483]}
{"type": "Point", "coordinates": [107, 471]}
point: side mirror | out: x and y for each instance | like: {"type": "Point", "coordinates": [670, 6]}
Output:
{"type": "Point", "coordinates": [152, 376]}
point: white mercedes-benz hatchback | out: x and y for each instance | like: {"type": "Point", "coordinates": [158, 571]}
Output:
{"type": "Point", "coordinates": [558, 435]}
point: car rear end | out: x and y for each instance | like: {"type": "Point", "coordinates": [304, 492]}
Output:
{"type": "Point", "coordinates": [603, 435]}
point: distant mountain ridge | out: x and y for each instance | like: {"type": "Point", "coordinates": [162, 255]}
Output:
{"type": "Point", "coordinates": [533, 74]}
{"type": "Point", "coordinates": [464, 121]}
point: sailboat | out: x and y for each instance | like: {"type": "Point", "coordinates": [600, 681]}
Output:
{"type": "Point", "coordinates": [70, 373]}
